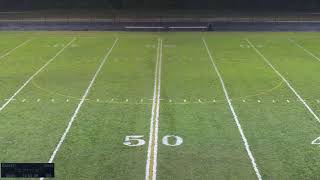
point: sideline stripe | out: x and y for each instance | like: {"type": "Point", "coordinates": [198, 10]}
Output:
{"type": "Point", "coordinates": [235, 116]}
{"type": "Point", "coordinates": [35, 74]}
{"type": "Point", "coordinates": [304, 49]}
{"type": "Point", "coordinates": [151, 164]}
{"type": "Point", "coordinates": [9, 52]}
{"type": "Point", "coordinates": [284, 79]}
{"type": "Point", "coordinates": [81, 103]}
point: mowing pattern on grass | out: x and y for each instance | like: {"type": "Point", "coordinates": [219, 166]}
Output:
{"type": "Point", "coordinates": [222, 105]}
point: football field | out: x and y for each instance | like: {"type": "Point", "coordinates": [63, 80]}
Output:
{"type": "Point", "coordinates": [162, 105]}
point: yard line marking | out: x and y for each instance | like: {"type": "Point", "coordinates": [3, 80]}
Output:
{"type": "Point", "coordinates": [151, 164]}
{"type": "Point", "coordinates": [304, 49]}
{"type": "Point", "coordinates": [154, 177]}
{"type": "Point", "coordinates": [284, 79]}
{"type": "Point", "coordinates": [9, 52]}
{"type": "Point", "coordinates": [235, 116]}
{"type": "Point", "coordinates": [80, 104]}
{"type": "Point", "coordinates": [35, 74]}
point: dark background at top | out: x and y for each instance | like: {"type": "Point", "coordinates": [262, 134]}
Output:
{"type": "Point", "coordinates": [163, 4]}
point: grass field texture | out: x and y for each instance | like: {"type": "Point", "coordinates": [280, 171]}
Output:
{"type": "Point", "coordinates": [116, 105]}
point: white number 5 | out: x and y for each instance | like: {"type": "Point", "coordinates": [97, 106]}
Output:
{"type": "Point", "coordinates": [134, 141]}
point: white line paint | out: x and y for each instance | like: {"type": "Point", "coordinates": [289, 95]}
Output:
{"type": "Point", "coordinates": [157, 118]}
{"type": "Point", "coordinates": [304, 49]}
{"type": "Point", "coordinates": [35, 74]}
{"type": "Point", "coordinates": [80, 104]}
{"type": "Point", "coordinates": [20, 45]}
{"type": "Point", "coordinates": [152, 115]}
{"type": "Point", "coordinates": [284, 80]}
{"type": "Point", "coordinates": [151, 169]}
{"type": "Point", "coordinates": [235, 116]}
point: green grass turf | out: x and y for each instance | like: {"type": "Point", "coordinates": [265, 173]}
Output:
{"type": "Point", "coordinates": [119, 104]}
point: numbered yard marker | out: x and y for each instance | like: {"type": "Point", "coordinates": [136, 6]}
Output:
{"type": "Point", "coordinates": [74, 45]}
{"type": "Point", "coordinates": [134, 141]}
{"type": "Point", "coordinates": [259, 46]}
{"type": "Point", "coordinates": [244, 46]}
{"type": "Point", "coordinates": [316, 141]}
{"type": "Point", "coordinates": [137, 140]}
{"type": "Point", "coordinates": [178, 140]}
{"type": "Point", "coordinates": [58, 45]}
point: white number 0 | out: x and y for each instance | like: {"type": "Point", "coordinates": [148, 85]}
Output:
{"type": "Point", "coordinates": [138, 141]}
{"type": "Point", "coordinates": [128, 141]}
{"type": "Point", "coordinates": [165, 140]}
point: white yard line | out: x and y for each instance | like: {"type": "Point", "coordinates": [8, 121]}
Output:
{"type": "Point", "coordinates": [151, 164]}
{"type": "Point", "coordinates": [152, 115]}
{"type": "Point", "coordinates": [35, 74]}
{"type": "Point", "coordinates": [304, 49]}
{"type": "Point", "coordinates": [53, 155]}
{"type": "Point", "coordinates": [81, 102]}
{"type": "Point", "coordinates": [9, 52]}
{"type": "Point", "coordinates": [284, 80]}
{"type": "Point", "coordinates": [155, 153]}
{"type": "Point", "coordinates": [235, 116]}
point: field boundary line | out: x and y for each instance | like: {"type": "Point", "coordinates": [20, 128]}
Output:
{"type": "Point", "coordinates": [304, 49]}
{"type": "Point", "coordinates": [10, 51]}
{"type": "Point", "coordinates": [35, 74]}
{"type": "Point", "coordinates": [151, 164]}
{"type": "Point", "coordinates": [285, 80]}
{"type": "Point", "coordinates": [81, 103]}
{"type": "Point", "coordinates": [235, 116]}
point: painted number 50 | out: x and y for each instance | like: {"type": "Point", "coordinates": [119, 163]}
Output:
{"type": "Point", "coordinates": [168, 140]}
